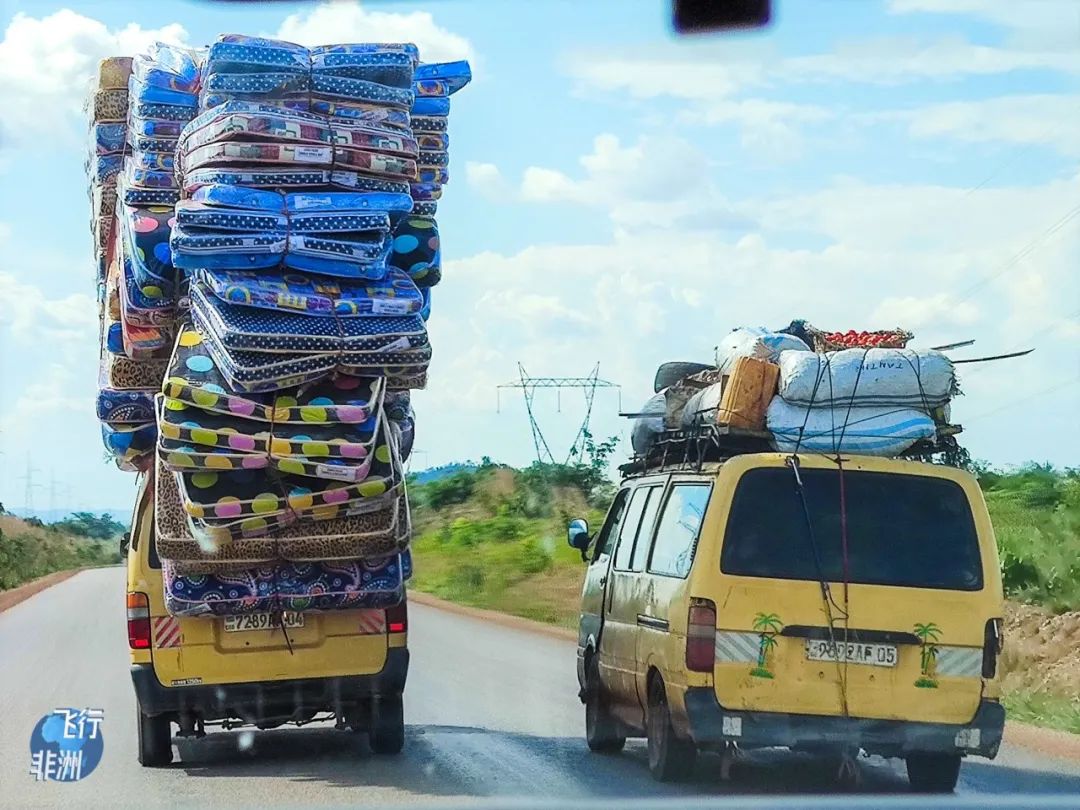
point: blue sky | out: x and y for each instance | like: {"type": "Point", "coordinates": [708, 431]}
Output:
{"type": "Point", "coordinates": [622, 196]}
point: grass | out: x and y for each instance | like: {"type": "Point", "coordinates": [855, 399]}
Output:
{"type": "Point", "coordinates": [30, 551]}
{"type": "Point", "coordinates": [495, 538]}
{"type": "Point", "coordinates": [1045, 709]}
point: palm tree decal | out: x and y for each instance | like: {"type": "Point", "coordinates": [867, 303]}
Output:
{"type": "Point", "coordinates": [768, 625]}
{"type": "Point", "coordinates": [928, 633]}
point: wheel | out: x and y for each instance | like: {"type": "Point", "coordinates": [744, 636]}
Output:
{"type": "Point", "coordinates": [933, 773]}
{"type": "Point", "coordinates": [387, 734]}
{"type": "Point", "coordinates": [670, 758]}
{"type": "Point", "coordinates": [670, 373]}
{"type": "Point", "coordinates": [603, 732]}
{"type": "Point", "coordinates": [155, 740]}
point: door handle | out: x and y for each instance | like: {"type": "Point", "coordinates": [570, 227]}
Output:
{"type": "Point", "coordinates": [603, 581]}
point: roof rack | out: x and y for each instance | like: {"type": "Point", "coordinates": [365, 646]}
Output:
{"type": "Point", "coordinates": [692, 447]}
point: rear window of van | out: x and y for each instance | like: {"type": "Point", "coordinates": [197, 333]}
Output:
{"type": "Point", "coordinates": [905, 530]}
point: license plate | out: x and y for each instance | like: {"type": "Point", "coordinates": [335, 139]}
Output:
{"type": "Point", "coordinates": [877, 655]}
{"type": "Point", "coordinates": [262, 621]}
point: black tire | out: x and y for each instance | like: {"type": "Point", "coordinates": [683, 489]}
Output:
{"type": "Point", "coordinates": [933, 773]}
{"type": "Point", "coordinates": [668, 374]}
{"type": "Point", "coordinates": [387, 734]}
{"type": "Point", "coordinates": [603, 732]}
{"type": "Point", "coordinates": [670, 759]}
{"type": "Point", "coordinates": [154, 739]}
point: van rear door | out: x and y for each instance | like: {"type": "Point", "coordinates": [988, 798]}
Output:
{"type": "Point", "coordinates": [211, 650]}
{"type": "Point", "coordinates": [902, 640]}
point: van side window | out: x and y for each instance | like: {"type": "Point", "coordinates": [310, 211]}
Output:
{"type": "Point", "coordinates": [677, 533]}
{"type": "Point", "coordinates": [605, 539]}
{"type": "Point", "coordinates": [630, 528]}
{"type": "Point", "coordinates": [644, 537]}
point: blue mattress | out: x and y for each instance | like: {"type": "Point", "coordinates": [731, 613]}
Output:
{"type": "Point", "coordinates": [287, 586]}
{"type": "Point", "coordinates": [395, 294]}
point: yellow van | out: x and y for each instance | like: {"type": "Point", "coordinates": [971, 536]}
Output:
{"type": "Point", "coordinates": [194, 672]}
{"type": "Point", "coordinates": [806, 602]}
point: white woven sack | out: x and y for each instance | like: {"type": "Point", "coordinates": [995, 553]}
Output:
{"type": "Point", "coordinates": [864, 377]}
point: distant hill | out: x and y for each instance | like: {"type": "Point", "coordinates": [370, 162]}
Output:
{"type": "Point", "coordinates": [436, 473]}
{"type": "Point", "coordinates": [28, 551]}
{"type": "Point", "coordinates": [119, 513]}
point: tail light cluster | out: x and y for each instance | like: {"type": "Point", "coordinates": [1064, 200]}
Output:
{"type": "Point", "coordinates": [138, 621]}
{"type": "Point", "coordinates": [701, 636]}
{"type": "Point", "coordinates": [397, 618]}
{"type": "Point", "coordinates": [993, 642]}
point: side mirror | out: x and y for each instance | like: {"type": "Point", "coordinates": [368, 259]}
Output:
{"type": "Point", "coordinates": [577, 535]}
{"type": "Point", "coordinates": [125, 543]}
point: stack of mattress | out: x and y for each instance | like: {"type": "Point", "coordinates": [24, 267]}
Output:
{"type": "Point", "coordinates": [141, 289]}
{"type": "Point", "coordinates": [416, 246]}
{"type": "Point", "coordinates": [164, 96]}
{"type": "Point", "coordinates": [106, 108]}
{"type": "Point", "coordinates": [284, 419]}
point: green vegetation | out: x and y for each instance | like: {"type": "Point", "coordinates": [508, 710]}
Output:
{"type": "Point", "coordinates": [1036, 516]}
{"type": "Point", "coordinates": [1043, 708]}
{"type": "Point", "coordinates": [29, 549]}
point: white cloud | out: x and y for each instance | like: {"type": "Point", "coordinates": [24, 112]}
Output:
{"type": "Point", "coordinates": [1041, 24]}
{"type": "Point", "coordinates": [346, 21]}
{"type": "Point", "coordinates": [487, 179]}
{"type": "Point", "coordinates": [47, 64]}
{"type": "Point", "coordinates": [914, 312]}
{"type": "Point", "coordinates": [31, 316]}
{"type": "Point", "coordinates": [658, 182]}
{"type": "Point", "coordinates": [1051, 120]}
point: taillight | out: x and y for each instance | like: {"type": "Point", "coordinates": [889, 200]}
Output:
{"type": "Point", "coordinates": [138, 621]}
{"type": "Point", "coordinates": [397, 618]}
{"type": "Point", "coordinates": [701, 635]}
{"type": "Point", "coordinates": [993, 642]}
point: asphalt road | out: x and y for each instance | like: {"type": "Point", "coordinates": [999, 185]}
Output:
{"type": "Point", "coordinates": [490, 712]}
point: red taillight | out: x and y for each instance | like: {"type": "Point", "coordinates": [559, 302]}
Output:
{"type": "Point", "coordinates": [138, 621]}
{"type": "Point", "coordinates": [993, 642]}
{"type": "Point", "coordinates": [701, 636]}
{"type": "Point", "coordinates": [397, 618]}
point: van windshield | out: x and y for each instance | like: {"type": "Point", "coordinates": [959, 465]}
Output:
{"type": "Point", "coordinates": [905, 530]}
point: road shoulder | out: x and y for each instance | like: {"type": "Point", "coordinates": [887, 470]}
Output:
{"type": "Point", "coordinates": [1049, 742]}
{"type": "Point", "coordinates": [12, 597]}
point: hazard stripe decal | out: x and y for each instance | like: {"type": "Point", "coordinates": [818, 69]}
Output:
{"type": "Point", "coordinates": [372, 622]}
{"type": "Point", "coordinates": [166, 632]}
{"type": "Point", "coordinates": [737, 647]}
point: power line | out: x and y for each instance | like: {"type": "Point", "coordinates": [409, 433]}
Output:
{"type": "Point", "coordinates": [1022, 400]}
{"type": "Point", "coordinates": [529, 385]}
{"type": "Point", "coordinates": [1023, 253]}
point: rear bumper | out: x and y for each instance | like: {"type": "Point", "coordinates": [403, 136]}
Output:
{"type": "Point", "coordinates": [256, 699]}
{"type": "Point", "coordinates": [712, 724]}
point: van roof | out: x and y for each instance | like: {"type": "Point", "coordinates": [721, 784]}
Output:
{"type": "Point", "coordinates": [852, 461]}
{"type": "Point", "coordinates": [706, 447]}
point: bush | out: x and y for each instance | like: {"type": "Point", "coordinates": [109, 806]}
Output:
{"type": "Point", "coordinates": [534, 558]}
{"type": "Point", "coordinates": [453, 489]}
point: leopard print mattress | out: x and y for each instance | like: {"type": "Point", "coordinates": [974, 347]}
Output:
{"type": "Point", "coordinates": [372, 534]}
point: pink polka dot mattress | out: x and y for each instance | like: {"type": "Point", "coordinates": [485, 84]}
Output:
{"type": "Point", "coordinates": [381, 527]}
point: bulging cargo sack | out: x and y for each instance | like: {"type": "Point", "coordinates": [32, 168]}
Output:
{"type": "Point", "coordinates": [869, 431]}
{"type": "Point", "coordinates": [755, 342]}
{"type": "Point", "coordinates": [864, 377]}
{"type": "Point", "coordinates": [647, 428]}
{"type": "Point", "coordinates": [701, 407]}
